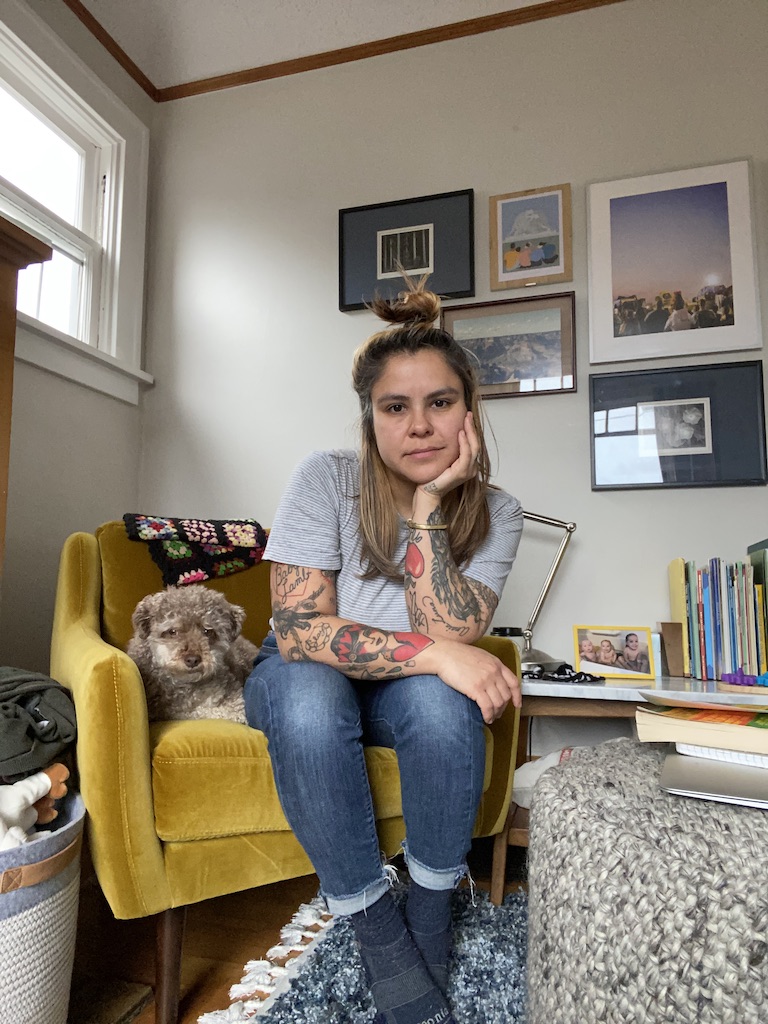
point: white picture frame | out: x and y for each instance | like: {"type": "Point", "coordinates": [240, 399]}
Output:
{"type": "Point", "coordinates": [659, 234]}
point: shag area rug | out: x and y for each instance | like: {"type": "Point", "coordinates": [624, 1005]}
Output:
{"type": "Point", "coordinates": [315, 975]}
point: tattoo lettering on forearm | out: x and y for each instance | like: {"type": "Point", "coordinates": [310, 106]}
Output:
{"type": "Point", "coordinates": [318, 638]}
{"type": "Point", "coordinates": [290, 580]}
{"type": "Point", "coordinates": [437, 618]}
{"type": "Point", "coordinates": [431, 488]}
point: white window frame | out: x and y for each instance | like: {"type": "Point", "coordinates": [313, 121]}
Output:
{"type": "Point", "coordinates": [40, 69]}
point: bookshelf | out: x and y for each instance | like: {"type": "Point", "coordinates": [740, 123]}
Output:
{"type": "Point", "coordinates": [722, 608]}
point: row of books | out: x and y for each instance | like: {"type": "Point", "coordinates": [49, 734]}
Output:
{"type": "Point", "coordinates": [723, 609]}
{"type": "Point", "coordinates": [718, 727]}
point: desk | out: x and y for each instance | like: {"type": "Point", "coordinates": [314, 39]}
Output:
{"type": "Point", "coordinates": [615, 698]}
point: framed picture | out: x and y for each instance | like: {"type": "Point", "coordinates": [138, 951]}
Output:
{"type": "Point", "coordinates": [432, 235]}
{"type": "Point", "coordinates": [672, 265]}
{"type": "Point", "coordinates": [531, 237]}
{"type": "Point", "coordinates": [523, 346]}
{"type": "Point", "coordinates": [614, 651]}
{"type": "Point", "coordinates": [688, 426]}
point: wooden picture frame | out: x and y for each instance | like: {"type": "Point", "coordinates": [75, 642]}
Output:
{"type": "Point", "coordinates": [614, 647]}
{"type": "Point", "coordinates": [530, 234]}
{"type": "Point", "coordinates": [524, 346]}
{"type": "Point", "coordinates": [685, 426]}
{"type": "Point", "coordinates": [431, 235]}
{"type": "Point", "coordinates": [654, 238]}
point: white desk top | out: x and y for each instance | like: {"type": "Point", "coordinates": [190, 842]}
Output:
{"type": "Point", "coordinates": [619, 689]}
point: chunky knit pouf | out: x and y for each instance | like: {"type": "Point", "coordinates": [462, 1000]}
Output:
{"type": "Point", "coordinates": [643, 907]}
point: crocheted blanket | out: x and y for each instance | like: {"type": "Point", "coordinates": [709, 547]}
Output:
{"type": "Point", "coordinates": [644, 908]}
{"type": "Point", "coordinates": [193, 550]}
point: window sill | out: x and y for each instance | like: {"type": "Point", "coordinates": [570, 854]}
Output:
{"type": "Point", "coordinates": [49, 349]}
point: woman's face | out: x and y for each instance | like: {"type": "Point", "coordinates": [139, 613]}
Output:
{"type": "Point", "coordinates": [418, 411]}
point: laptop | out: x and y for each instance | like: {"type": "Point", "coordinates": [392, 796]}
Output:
{"type": "Point", "coordinates": [729, 783]}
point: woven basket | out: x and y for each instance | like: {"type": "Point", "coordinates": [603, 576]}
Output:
{"type": "Point", "coordinates": [39, 888]}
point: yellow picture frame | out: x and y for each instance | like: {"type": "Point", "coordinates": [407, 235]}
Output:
{"type": "Point", "coordinates": [615, 649]}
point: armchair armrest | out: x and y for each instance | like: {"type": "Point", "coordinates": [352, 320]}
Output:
{"type": "Point", "coordinates": [495, 802]}
{"type": "Point", "coordinates": [113, 751]}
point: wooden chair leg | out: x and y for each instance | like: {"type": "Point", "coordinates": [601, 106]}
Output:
{"type": "Point", "coordinates": [169, 941]}
{"type": "Point", "coordinates": [499, 864]}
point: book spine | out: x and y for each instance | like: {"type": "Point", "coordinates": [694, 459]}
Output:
{"type": "Point", "coordinates": [717, 617]}
{"type": "Point", "coordinates": [693, 619]}
{"type": "Point", "coordinates": [678, 606]}
{"type": "Point", "coordinates": [760, 627]}
{"type": "Point", "coordinates": [702, 633]}
{"type": "Point", "coordinates": [749, 600]}
{"type": "Point", "coordinates": [706, 605]}
{"type": "Point", "coordinates": [726, 617]}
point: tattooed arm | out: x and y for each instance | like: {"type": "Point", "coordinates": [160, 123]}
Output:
{"type": "Point", "coordinates": [308, 629]}
{"type": "Point", "coordinates": [443, 603]}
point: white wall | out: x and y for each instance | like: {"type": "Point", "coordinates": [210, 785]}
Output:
{"type": "Point", "coordinates": [74, 453]}
{"type": "Point", "coordinates": [74, 464]}
{"type": "Point", "coordinates": [245, 339]}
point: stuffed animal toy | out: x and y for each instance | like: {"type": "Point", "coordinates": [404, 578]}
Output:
{"type": "Point", "coordinates": [28, 802]}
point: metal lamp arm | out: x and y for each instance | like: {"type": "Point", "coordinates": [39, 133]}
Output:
{"type": "Point", "coordinates": [569, 528]}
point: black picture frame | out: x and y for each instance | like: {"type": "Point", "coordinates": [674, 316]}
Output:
{"type": "Point", "coordinates": [686, 426]}
{"type": "Point", "coordinates": [372, 239]}
{"type": "Point", "coordinates": [518, 347]}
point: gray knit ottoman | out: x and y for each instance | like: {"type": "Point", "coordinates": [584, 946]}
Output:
{"type": "Point", "coordinates": [643, 907]}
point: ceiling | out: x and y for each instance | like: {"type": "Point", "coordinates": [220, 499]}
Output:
{"type": "Point", "coordinates": [168, 45]}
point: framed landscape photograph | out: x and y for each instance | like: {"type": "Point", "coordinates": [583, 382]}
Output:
{"type": "Point", "coordinates": [432, 235]}
{"type": "Point", "coordinates": [688, 426]}
{"type": "Point", "coordinates": [672, 265]}
{"type": "Point", "coordinates": [615, 652]}
{"type": "Point", "coordinates": [531, 237]}
{"type": "Point", "coordinates": [523, 346]}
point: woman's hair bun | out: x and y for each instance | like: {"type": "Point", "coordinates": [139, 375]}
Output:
{"type": "Point", "coordinates": [416, 305]}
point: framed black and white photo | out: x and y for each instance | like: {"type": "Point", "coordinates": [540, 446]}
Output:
{"type": "Point", "coordinates": [431, 235]}
{"type": "Point", "coordinates": [689, 426]}
{"type": "Point", "coordinates": [672, 265]}
{"type": "Point", "coordinates": [524, 346]}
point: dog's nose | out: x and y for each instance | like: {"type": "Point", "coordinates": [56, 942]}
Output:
{"type": "Point", "coordinates": [192, 660]}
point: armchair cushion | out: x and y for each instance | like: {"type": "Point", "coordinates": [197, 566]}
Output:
{"type": "Point", "coordinates": [204, 774]}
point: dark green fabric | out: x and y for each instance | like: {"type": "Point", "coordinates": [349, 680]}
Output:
{"type": "Point", "coordinates": [37, 722]}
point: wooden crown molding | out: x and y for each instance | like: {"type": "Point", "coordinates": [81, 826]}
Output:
{"type": "Point", "coordinates": [330, 58]}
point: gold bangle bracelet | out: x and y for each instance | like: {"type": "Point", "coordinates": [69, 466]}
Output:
{"type": "Point", "coordinates": [425, 526]}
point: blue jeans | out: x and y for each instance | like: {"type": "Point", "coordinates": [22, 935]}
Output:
{"type": "Point", "coordinates": [317, 720]}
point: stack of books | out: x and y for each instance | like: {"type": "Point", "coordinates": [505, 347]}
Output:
{"type": "Point", "coordinates": [723, 609]}
{"type": "Point", "coordinates": [720, 726]}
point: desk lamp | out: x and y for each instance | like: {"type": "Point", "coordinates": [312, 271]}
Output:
{"type": "Point", "coordinates": [530, 656]}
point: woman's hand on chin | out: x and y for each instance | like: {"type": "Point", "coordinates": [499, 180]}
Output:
{"type": "Point", "coordinates": [465, 466]}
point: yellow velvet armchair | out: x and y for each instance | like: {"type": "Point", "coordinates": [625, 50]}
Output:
{"type": "Point", "coordinates": [179, 812]}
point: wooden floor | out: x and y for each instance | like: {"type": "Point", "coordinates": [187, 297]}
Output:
{"type": "Point", "coordinates": [221, 936]}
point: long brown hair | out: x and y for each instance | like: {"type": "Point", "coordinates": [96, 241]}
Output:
{"type": "Point", "coordinates": [412, 316]}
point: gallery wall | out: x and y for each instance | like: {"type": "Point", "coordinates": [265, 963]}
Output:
{"type": "Point", "coordinates": [252, 356]}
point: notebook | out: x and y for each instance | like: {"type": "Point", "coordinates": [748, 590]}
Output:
{"type": "Point", "coordinates": [715, 780]}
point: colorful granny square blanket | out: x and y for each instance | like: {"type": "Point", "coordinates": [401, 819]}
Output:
{"type": "Point", "coordinates": [193, 550]}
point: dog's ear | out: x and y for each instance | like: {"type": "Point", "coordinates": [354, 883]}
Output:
{"type": "Point", "coordinates": [144, 614]}
{"type": "Point", "coordinates": [236, 616]}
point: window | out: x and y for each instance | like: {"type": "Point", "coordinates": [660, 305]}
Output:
{"type": "Point", "coordinates": [73, 172]}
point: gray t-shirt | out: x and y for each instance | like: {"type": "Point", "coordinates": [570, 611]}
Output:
{"type": "Point", "coordinates": [317, 525]}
